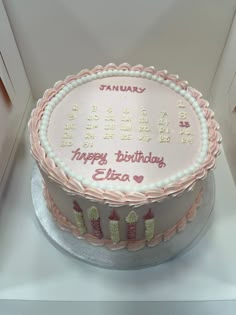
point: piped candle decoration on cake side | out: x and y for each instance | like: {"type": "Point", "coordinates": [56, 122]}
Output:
{"type": "Point", "coordinates": [94, 218]}
{"type": "Point", "coordinates": [79, 219]}
{"type": "Point", "coordinates": [131, 220]}
{"type": "Point", "coordinates": [149, 222]}
{"type": "Point", "coordinates": [114, 227]}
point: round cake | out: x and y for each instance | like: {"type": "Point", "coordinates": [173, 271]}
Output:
{"type": "Point", "coordinates": [124, 153]}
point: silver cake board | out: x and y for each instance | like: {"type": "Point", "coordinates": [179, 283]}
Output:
{"type": "Point", "coordinates": [122, 259]}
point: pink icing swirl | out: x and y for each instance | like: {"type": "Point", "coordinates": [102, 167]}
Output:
{"type": "Point", "coordinates": [118, 198]}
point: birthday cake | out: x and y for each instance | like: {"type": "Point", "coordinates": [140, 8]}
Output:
{"type": "Point", "coordinates": [124, 153]}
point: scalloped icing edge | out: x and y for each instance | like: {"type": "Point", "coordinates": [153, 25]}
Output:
{"type": "Point", "coordinates": [75, 187]}
{"type": "Point", "coordinates": [64, 224]}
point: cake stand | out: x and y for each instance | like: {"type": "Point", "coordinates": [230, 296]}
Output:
{"type": "Point", "coordinates": [122, 258]}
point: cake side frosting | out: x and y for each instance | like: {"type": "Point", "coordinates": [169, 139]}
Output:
{"type": "Point", "coordinates": [144, 188]}
{"type": "Point", "coordinates": [114, 242]}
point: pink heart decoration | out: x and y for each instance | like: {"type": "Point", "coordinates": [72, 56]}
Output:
{"type": "Point", "coordinates": [138, 179]}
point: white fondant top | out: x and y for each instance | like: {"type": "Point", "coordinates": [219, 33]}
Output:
{"type": "Point", "coordinates": [126, 129]}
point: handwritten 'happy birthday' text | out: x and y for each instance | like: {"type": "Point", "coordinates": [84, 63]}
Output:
{"type": "Point", "coordinates": [139, 157]}
{"type": "Point", "coordinates": [101, 158]}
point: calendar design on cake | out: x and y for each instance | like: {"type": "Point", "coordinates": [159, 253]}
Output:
{"type": "Point", "coordinates": [185, 132]}
{"type": "Point", "coordinates": [163, 128]}
{"type": "Point", "coordinates": [91, 126]}
{"type": "Point", "coordinates": [109, 124]}
{"type": "Point", "coordinates": [69, 127]}
{"type": "Point", "coordinates": [144, 128]}
{"type": "Point", "coordinates": [129, 137]}
{"type": "Point", "coordinates": [126, 127]}
{"type": "Point", "coordinates": [136, 141]}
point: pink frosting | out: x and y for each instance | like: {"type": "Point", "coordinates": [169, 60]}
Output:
{"type": "Point", "coordinates": [115, 197]}
{"type": "Point", "coordinates": [131, 245]}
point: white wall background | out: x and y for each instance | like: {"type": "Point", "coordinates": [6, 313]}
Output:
{"type": "Point", "coordinates": [59, 37]}
{"type": "Point", "coordinates": [223, 93]}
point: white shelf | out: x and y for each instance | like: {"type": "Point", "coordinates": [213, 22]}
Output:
{"type": "Point", "coordinates": [15, 97]}
{"type": "Point", "coordinates": [32, 269]}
